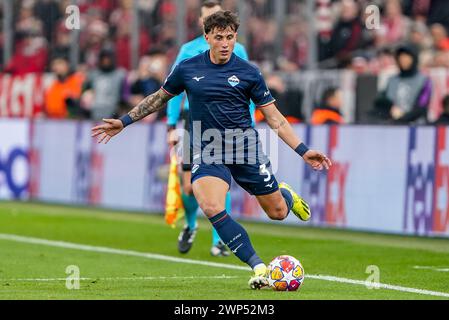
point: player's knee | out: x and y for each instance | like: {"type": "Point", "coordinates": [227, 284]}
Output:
{"type": "Point", "coordinates": [211, 208]}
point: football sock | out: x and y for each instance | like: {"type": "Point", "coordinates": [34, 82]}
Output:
{"type": "Point", "coordinates": [288, 198]}
{"type": "Point", "coordinates": [260, 266]}
{"type": "Point", "coordinates": [236, 238]}
{"type": "Point", "coordinates": [215, 237]}
{"type": "Point", "coordinates": [190, 206]}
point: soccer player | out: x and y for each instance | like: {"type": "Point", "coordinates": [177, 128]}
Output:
{"type": "Point", "coordinates": [189, 50]}
{"type": "Point", "coordinates": [219, 86]}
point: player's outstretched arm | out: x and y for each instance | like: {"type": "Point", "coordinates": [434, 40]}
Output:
{"type": "Point", "coordinates": [147, 106]}
{"type": "Point", "coordinates": [316, 159]}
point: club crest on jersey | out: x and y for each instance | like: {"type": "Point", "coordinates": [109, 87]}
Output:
{"type": "Point", "coordinates": [233, 81]}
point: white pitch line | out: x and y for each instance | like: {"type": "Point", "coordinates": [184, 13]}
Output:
{"type": "Point", "coordinates": [439, 269]}
{"type": "Point", "coordinates": [76, 246]}
{"type": "Point", "coordinates": [120, 278]}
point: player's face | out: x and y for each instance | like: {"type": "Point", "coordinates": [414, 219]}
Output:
{"type": "Point", "coordinates": [222, 43]}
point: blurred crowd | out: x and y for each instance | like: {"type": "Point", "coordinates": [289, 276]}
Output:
{"type": "Point", "coordinates": [104, 82]}
{"type": "Point", "coordinates": [344, 40]}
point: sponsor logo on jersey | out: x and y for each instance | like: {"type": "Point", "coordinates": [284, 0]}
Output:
{"type": "Point", "coordinates": [195, 168]}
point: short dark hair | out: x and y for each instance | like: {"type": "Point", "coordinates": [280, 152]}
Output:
{"type": "Point", "coordinates": [60, 57]}
{"type": "Point", "coordinates": [210, 4]}
{"type": "Point", "coordinates": [155, 51]}
{"type": "Point", "coordinates": [328, 93]}
{"type": "Point", "coordinates": [221, 20]}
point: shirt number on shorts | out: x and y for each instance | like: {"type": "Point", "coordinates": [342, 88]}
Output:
{"type": "Point", "coordinates": [263, 170]}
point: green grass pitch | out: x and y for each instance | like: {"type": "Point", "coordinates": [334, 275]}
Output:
{"type": "Point", "coordinates": [38, 271]}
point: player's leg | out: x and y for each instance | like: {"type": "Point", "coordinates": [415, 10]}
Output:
{"type": "Point", "coordinates": [298, 206]}
{"type": "Point", "coordinates": [218, 247]}
{"type": "Point", "coordinates": [187, 235]}
{"type": "Point", "coordinates": [275, 199]}
{"type": "Point", "coordinates": [278, 204]}
{"type": "Point", "coordinates": [210, 186]}
{"type": "Point", "coordinates": [275, 205]}
{"type": "Point", "coordinates": [190, 203]}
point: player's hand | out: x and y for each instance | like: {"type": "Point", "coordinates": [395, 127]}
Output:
{"type": "Point", "coordinates": [106, 131]}
{"type": "Point", "coordinates": [172, 137]}
{"type": "Point", "coordinates": [396, 112]}
{"type": "Point", "coordinates": [317, 160]}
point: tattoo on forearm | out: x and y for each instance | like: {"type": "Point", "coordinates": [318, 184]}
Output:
{"type": "Point", "coordinates": [280, 125]}
{"type": "Point", "coordinates": [149, 105]}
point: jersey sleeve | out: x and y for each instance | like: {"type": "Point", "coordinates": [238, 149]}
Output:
{"type": "Point", "coordinates": [240, 51]}
{"type": "Point", "coordinates": [174, 84]}
{"type": "Point", "coordinates": [260, 93]}
{"type": "Point", "coordinates": [174, 106]}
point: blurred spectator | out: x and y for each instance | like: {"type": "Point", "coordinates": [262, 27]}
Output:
{"type": "Point", "coordinates": [444, 117]}
{"type": "Point", "coordinates": [409, 91]}
{"type": "Point", "coordinates": [63, 95]}
{"type": "Point", "coordinates": [329, 110]}
{"type": "Point", "coordinates": [30, 55]}
{"type": "Point", "coordinates": [324, 20]}
{"type": "Point", "coordinates": [288, 100]}
{"type": "Point", "coordinates": [151, 75]}
{"type": "Point", "coordinates": [105, 88]}
{"type": "Point", "coordinates": [395, 27]}
{"type": "Point", "coordinates": [347, 35]}
{"type": "Point", "coordinates": [420, 37]}
{"type": "Point", "coordinates": [386, 67]}
{"type": "Point", "coordinates": [441, 59]}
{"type": "Point", "coordinates": [261, 43]}
{"type": "Point", "coordinates": [295, 46]}
{"type": "Point", "coordinates": [438, 12]}
{"type": "Point", "coordinates": [121, 22]}
{"type": "Point", "coordinates": [439, 36]}
{"type": "Point", "coordinates": [26, 21]}
{"type": "Point", "coordinates": [48, 12]}
{"type": "Point", "coordinates": [96, 39]}
{"type": "Point", "coordinates": [381, 112]}
{"type": "Point", "coordinates": [164, 29]}
{"type": "Point", "coordinates": [192, 27]}
{"type": "Point", "coordinates": [360, 64]}
{"type": "Point", "coordinates": [30, 52]}
{"type": "Point", "coordinates": [61, 45]}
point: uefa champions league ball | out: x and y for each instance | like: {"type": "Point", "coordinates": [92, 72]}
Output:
{"type": "Point", "coordinates": [285, 273]}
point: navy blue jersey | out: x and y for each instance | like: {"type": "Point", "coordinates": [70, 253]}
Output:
{"type": "Point", "coordinates": [219, 97]}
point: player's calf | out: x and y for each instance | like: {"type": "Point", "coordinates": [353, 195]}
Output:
{"type": "Point", "coordinates": [274, 205]}
{"type": "Point", "coordinates": [278, 212]}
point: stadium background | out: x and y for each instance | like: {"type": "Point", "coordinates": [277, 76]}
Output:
{"type": "Point", "coordinates": [386, 178]}
{"type": "Point", "coordinates": [353, 194]}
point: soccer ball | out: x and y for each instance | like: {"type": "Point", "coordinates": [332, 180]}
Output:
{"type": "Point", "coordinates": [285, 273]}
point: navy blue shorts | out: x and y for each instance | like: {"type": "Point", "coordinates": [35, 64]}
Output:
{"type": "Point", "coordinates": [256, 179]}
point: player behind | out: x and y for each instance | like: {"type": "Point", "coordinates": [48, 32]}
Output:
{"type": "Point", "coordinates": [219, 105]}
{"type": "Point", "coordinates": [187, 51]}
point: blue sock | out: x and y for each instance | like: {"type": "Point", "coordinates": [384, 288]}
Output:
{"type": "Point", "coordinates": [236, 238]}
{"type": "Point", "coordinates": [215, 237]}
{"type": "Point", "coordinates": [288, 198]}
{"type": "Point", "coordinates": [191, 207]}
